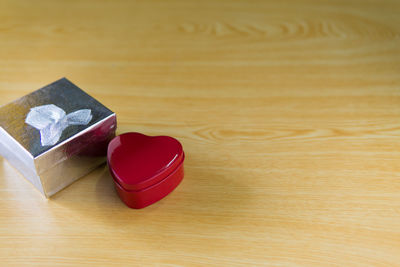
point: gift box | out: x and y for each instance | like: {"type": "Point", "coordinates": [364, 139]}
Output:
{"type": "Point", "coordinates": [145, 168]}
{"type": "Point", "coordinates": [55, 135]}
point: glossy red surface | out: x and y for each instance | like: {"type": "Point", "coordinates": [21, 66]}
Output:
{"type": "Point", "coordinates": [143, 198]}
{"type": "Point", "coordinates": [145, 169]}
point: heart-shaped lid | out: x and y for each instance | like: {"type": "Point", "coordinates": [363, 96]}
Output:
{"type": "Point", "coordinates": [137, 161]}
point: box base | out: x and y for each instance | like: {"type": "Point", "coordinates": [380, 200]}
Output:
{"type": "Point", "coordinates": [143, 198]}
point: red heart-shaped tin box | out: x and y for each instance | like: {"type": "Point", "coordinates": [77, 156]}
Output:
{"type": "Point", "coordinates": [145, 169]}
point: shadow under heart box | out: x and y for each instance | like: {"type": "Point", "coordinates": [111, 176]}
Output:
{"type": "Point", "coordinates": [55, 135]}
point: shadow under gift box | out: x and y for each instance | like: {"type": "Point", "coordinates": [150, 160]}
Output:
{"type": "Point", "coordinates": [80, 149]}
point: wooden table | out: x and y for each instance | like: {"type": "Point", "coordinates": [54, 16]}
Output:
{"type": "Point", "coordinates": [289, 113]}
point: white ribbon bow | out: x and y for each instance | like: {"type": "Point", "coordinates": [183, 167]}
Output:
{"type": "Point", "coordinates": [51, 121]}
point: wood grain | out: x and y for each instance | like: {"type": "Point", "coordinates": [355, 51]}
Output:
{"type": "Point", "coordinates": [289, 113]}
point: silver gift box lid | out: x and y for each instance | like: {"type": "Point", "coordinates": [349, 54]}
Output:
{"type": "Point", "coordinates": [64, 137]}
